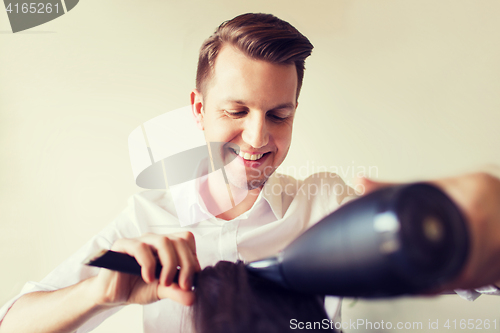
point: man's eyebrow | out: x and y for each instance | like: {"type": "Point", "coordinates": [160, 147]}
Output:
{"type": "Point", "coordinates": [284, 106]}
{"type": "Point", "coordinates": [277, 107]}
{"type": "Point", "coordinates": [235, 101]}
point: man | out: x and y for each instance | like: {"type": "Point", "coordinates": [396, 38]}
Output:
{"type": "Point", "coordinates": [248, 82]}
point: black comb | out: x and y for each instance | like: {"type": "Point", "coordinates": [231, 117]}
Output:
{"type": "Point", "coordinates": [124, 263]}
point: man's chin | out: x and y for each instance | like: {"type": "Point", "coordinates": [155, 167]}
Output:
{"type": "Point", "coordinates": [255, 183]}
{"type": "Point", "coordinates": [248, 180]}
{"type": "Point", "coordinates": [247, 184]}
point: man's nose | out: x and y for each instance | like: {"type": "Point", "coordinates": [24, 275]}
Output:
{"type": "Point", "coordinates": [255, 132]}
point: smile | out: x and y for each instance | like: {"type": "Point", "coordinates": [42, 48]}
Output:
{"type": "Point", "coordinates": [247, 156]}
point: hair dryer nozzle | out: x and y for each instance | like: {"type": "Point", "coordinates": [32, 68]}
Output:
{"type": "Point", "coordinates": [269, 269]}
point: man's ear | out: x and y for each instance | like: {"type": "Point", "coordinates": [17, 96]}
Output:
{"type": "Point", "coordinates": [197, 108]}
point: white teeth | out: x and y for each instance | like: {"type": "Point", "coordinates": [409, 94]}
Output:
{"type": "Point", "coordinates": [250, 157]}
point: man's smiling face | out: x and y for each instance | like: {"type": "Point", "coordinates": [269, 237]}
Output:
{"type": "Point", "coordinates": [250, 105]}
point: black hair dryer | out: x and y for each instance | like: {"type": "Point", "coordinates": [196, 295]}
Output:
{"type": "Point", "coordinates": [404, 239]}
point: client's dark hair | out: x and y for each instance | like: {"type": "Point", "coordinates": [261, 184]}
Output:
{"type": "Point", "coordinates": [231, 300]}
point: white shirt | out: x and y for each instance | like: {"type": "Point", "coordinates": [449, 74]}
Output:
{"type": "Point", "coordinates": [284, 209]}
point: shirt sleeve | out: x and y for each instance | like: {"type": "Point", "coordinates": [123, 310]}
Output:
{"type": "Point", "coordinates": [72, 271]}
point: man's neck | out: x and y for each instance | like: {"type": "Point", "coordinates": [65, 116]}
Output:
{"type": "Point", "coordinates": [215, 196]}
{"type": "Point", "coordinates": [241, 207]}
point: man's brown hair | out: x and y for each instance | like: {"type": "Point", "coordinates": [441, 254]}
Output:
{"type": "Point", "coordinates": [259, 36]}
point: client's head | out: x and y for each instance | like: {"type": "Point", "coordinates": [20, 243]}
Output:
{"type": "Point", "coordinates": [230, 300]}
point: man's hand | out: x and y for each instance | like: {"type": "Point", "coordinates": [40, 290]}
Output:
{"type": "Point", "coordinates": [478, 197]}
{"type": "Point", "coordinates": [113, 288]}
{"type": "Point", "coordinates": [66, 309]}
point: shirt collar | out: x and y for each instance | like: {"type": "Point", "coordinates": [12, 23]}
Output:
{"type": "Point", "coordinates": [270, 194]}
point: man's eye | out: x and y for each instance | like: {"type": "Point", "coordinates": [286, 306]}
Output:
{"type": "Point", "coordinates": [235, 114]}
{"type": "Point", "coordinates": [276, 118]}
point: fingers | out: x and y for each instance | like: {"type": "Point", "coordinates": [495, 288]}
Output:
{"type": "Point", "coordinates": [188, 262]}
{"type": "Point", "coordinates": [167, 255]}
{"type": "Point", "coordinates": [185, 248]}
{"type": "Point", "coordinates": [171, 250]}
{"type": "Point", "coordinates": [142, 253]}
{"type": "Point", "coordinates": [188, 236]}
{"type": "Point", "coordinates": [175, 293]}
